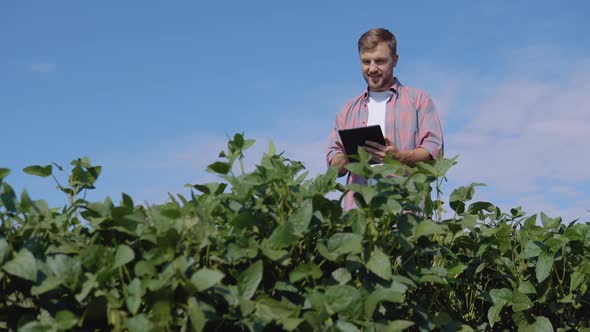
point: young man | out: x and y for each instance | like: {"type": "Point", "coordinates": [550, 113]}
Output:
{"type": "Point", "coordinates": [407, 116]}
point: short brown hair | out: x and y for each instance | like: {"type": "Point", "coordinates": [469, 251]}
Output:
{"type": "Point", "coordinates": [371, 38]}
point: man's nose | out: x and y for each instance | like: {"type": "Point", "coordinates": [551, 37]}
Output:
{"type": "Point", "coordinates": [373, 66]}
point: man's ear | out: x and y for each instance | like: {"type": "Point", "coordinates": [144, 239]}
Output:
{"type": "Point", "coordinates": [395, 58]}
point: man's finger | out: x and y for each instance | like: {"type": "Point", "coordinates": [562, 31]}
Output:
{"type": "Point", "coordinates": [375, 145]}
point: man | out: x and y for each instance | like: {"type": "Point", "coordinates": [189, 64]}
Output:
{"type": "Point", "coordinates": [407, 116]}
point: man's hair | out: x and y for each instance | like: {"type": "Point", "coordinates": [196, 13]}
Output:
{"type": "Point", "coordinates": [371, 38]}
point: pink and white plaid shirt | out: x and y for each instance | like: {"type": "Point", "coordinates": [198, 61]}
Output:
{"type": "Point", "coordinates": [411, 122]}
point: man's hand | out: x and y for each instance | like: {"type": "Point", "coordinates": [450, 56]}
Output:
{"type": "Point", "coordinates": [379, 151]}
{"type": "Point", "coordinates": [340, 161]}
{"type": "Point", "coordinates": [409, 157]}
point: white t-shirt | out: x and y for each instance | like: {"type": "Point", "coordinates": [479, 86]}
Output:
{"type": "Point", "coordinates": [377, 107]}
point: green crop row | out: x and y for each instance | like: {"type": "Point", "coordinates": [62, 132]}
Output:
{"type": "Point", "coordinates": [270, 250]}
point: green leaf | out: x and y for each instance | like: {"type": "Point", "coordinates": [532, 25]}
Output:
{"type": "Point", "coordinates": [139, 323]}
{"type": "Point", "coordinates": [392, 206]}
{"type": "Point", "coordinates": [305, 270]}
{"type": "Point", "coordinates": [365, 191]}
{"type": "Point", "coordinates": [359, 169]}
{"type": "Point", "coordinates": [238, 140]}
{"type": "Point", "coordinates": [23, 265]}
{"type": "Point", "coordinates": [136, 293]}
{"type": "Point", "coordinates": [35, 326]}
{"type": "Point", "coordinates": [280, 256]}
{"type": "Point", "coordinates": [66, 319]}
{"type": "Point", "coordinates": [527, 288]}
{"type": "Point", "coordinates": [342, 298]}
{"type": "Point", "coordinates": [532, 249]}
{"type": "Point", "coordinates": [345, 243]}
{"type": "Point", "coordinates": [301, 218]}
{"type": "Point", "coordinates": [477, 207]}
{"type": "Point", "coordinates": [272, 150]}
{"type": "Point", "coordinates": [285, 287]}
{"type": "Point", "coordinates": [431, 278]}
{"type": "Point", "coordinates": [4, 173]}
{"type": "Point", "coordinates": [87, 287]}
{"type": "Point", "coordinates": [143, 268]}
{"type": "Point", "coordinates": [520, 301]}
{"type": "Point", "coordinates": [245, 220]}
{"type": "Point", "coordinates": [249, 280]}
{"type": "Point", "coordinates": [65, 268]}
{"type": "Point", "coordinates": [428, 227]}
{"type": "Point", "coordinates": [248, 143]}
{"type": "Point", "coordinates": [577, 279]}
{"type": "Point", "coordinates": [4, 250]}
{"type": "Point", "coordinates": [364, 156]}
{"type": "Point", "coordinates": [8, 198]}
{"type": "Point", "coordinates": [341, 275]}
{"type": "Point", "coordinates": [456, 270]}
{"type": "Point", "coordinates": [280, 312]}
{"type": "Point", "coordinates": [501, 296]}
{"type": "Point", "coordinates": [394, 295]}
{"type": "Point", "coordinates": [541, 324]}
{"type": "Point", "coordinates": [468, 221]}
{"type": "Point", "coordinates": [206, 278]}
{"type": "Point", "coordinates": [196, 315]}
{"type": "Point", "coordinates": [442, 165]}
{"type": "Point", "coordinates": [282, 236]}
{"type": "Point", "coordinates": [494, 313]}
{"type": "Point", "coordinates": [543, 267]}
{"type": "Point", "coordinates": [237, 251]}
{"type": "Point", "coordinates": [47, 285]}
{"type": "Point", "coordinates": [358, 222]}
{"type": "Point", "coordinates": [210, 188]}
{"type": "Point", "coordinates": [550, 222]}
{"type": "Point", "coordinates": [42, 171]}
{"type": "Point", "coordinates": [219, 167]}
{"type": "Point", "coordinates": [380, 264]}
{"type": "Point", "coordinates": [427, 168]}
{"type": "Point", "coordinates": [344, 326]}
{"type": "Point", "coordinates": [127, 202]}
{"type": "Point", "coordinates": [123, 256]}
{"type": "Point", "coordinates": [399, 325]}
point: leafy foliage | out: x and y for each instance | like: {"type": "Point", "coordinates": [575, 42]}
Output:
{"type": "Point", "coordinates": [268, 250]}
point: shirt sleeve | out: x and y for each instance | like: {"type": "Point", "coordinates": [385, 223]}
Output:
{"type": "Point", "coordinates": [333, 148]}
{"type": "Point", "coordinates": [430, 136]}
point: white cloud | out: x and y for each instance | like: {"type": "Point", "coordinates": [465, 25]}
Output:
{"type": "Point", "coordinates": [42, 67]}
{"type": "Point", "coordinates": [527, 139]}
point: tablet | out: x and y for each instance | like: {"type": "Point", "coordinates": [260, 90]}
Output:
{"type": "Point", "coordinates": [355, 137]}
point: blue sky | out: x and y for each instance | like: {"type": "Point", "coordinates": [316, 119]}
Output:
{"type": "Point", "coordinates": [150, 90]}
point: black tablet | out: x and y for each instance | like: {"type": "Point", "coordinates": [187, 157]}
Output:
{"type": "Point", "coordinates": [355, 137]}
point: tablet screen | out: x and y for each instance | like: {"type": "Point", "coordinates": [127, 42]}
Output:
{"type": "Point", "coordinates": [355, 137]}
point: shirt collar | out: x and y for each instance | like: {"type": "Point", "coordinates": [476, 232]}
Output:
{"type": "Point", "coordinates": [394, 88]}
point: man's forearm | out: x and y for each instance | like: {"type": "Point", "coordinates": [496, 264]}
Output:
{"type": "Point", "coordinates": [411, 157]}
{"type": "Point", "coordinates": [339, 160]}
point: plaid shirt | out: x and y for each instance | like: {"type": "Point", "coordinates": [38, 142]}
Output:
{"type": "Point", "coordinates": [411, 122]}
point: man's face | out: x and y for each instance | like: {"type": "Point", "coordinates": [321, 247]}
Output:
{"type": "Point", "coordinates": [377, 66]}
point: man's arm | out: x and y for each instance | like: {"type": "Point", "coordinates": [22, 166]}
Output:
{"type": "Point", "coordinates": [408, 157]}
{"type": "Point", "coordinates": [335, 154]}
{"type": "Point", "coordinates": [339, 160]}
{"type": "Point", "coordinates": [414, 156]}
